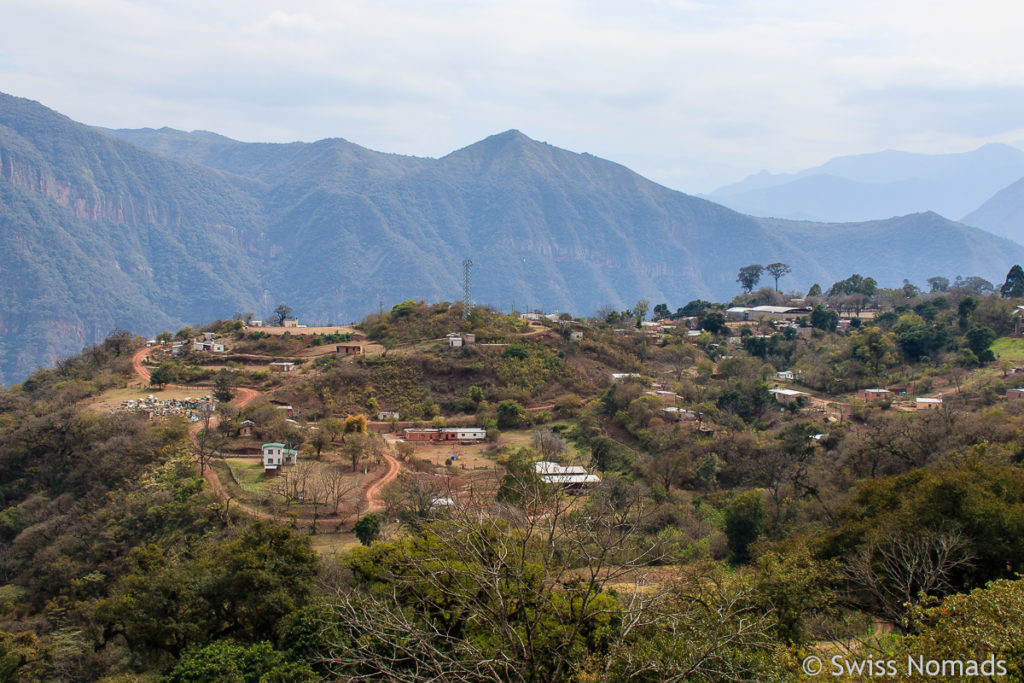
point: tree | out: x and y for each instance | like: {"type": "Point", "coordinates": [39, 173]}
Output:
{"type": "Point", "coordinates": [207, 441]}
{"type": "Point", "coordinates": [160, 376]}
{"type": "Point", "coordinates": [824, 319]}
{"type": "Point", "coordinates": [1013, 288]}
{"type": "Point", "coordinates": [712, 321]}
{"type": "Point", "coordinates": [987, 622]}
{"type": "Point", "coordinates": [282, 313]}
{"type": "Point", "coordinates": [749, 276]}
{"type": "Point", "coordinates": [367, 529]}
{"type": "Point", "coordinates": [855, 284]}
{"type": "Point", "coordinates": [661, 311]}
{"type": "Point", "coordinates": [777, 270]}
{"type": "Point", "coordinates": [640, 309]}
{"type": "Point", "coordinates": [874, 347]}
{"type": "Point", "coordinates": [356, 446]}
{"type": "Point", "coordinates": [744, 523]}
{"type": "Point", "coordinates": [222, 390]}
{"type": "Point", "coordinates": [550, 445]}
{"type": "Point", "coordinates": [815, 290]}
{"type": "Point", "coordinates": [225, 660]}
{"type": "Point", "coordinates": [898, 570]}
{"type": "Point", "coordinates": [519, 595]}
{"type": "Point", "coordinates": [938, 284]}
{"type": "Point", "coordinates": [693, 308]}
{"type": "Point", "coordinates": [511, 415]}
{"type": "Point", "coordinates": [979, 338]}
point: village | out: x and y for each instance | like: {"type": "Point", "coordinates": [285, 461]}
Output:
{"type": "Point", "coordinates": [260, 458]}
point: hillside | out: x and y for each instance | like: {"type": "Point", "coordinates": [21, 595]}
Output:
{"type": "Point", "coordinates": [1003, 214]}
{"type": "Point", "coordinates": [153, 229]}
{"type": "Point", "coordinates": [880, 185]}
{"type": "Point", "coordinates": [757, 490]}
{"type": "Point", "coordinates": [552, 229]}
{"type": "Point", "coordinates": [99, 234]}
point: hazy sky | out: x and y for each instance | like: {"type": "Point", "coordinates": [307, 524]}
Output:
{"type": "Point", "coordinates": [690, 94]}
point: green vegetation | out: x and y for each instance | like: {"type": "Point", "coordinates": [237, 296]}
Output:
{"type": "Point", "coordinates": [728, 534]}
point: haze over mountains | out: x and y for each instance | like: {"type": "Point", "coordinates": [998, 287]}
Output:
{"type": "Point", "coordinates": [154, 229]}
{"type": "Point", "coordinates": [885, 184]}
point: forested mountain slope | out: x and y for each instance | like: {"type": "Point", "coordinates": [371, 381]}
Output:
{"type": "Point", "coordinates": [153, 229]}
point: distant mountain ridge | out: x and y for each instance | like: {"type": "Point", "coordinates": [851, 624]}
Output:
{"type": "Point", "coordinates": [880, 185]}
{"type": "Point", "coordinates": [154, 229]}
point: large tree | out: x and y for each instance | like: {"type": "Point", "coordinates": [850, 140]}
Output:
{"type": "Point", "coordinates": [749, 276]}
{"type": "Point", "coordinates": [281, 313]}
{"type": "Point", "coordinates": [777, 270]}
{"type": "Point", "coordinates": [1014, 285]}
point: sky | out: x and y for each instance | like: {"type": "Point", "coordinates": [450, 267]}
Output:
{"type": "Point", "coordinates": [691, 94]}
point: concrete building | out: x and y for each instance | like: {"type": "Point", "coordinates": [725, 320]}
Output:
{"type": "Point", "coordinates": [276, 456]}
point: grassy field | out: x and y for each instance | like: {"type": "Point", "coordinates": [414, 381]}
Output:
{"type": "Point", "coordinates": [1009, 349]}
{"type": "Point", "coordinates": [333, 543]}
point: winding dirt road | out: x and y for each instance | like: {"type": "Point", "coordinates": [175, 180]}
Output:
{"type": "Point", "coordinates": [243, 397]}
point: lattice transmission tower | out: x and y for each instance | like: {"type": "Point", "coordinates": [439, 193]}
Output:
{"type": "Point", "coordinates": [467, 286]}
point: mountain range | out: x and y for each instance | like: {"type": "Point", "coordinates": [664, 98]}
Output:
{"type": "Point", "coordinates": [885, 184]}
{"type": "Point", "coordinates": [153, 229]}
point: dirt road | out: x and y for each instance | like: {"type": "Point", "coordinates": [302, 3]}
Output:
{"type": "Point", "coordinates": [243, 397]}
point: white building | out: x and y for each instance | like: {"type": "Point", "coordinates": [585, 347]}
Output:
{"type": "Point", "coordinates": [276, 456]}
{"type": "Point", "coordinates": [571, 477]}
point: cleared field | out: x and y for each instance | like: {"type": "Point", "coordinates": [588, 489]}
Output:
{"type": "Point", "coordinates": [1009, 349]}
{"type": "Point", "coordinates": [333, 543]}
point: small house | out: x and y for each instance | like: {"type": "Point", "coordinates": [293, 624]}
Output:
{"type": "Point", "coordinates": [928, 403]}
{"type": "Point", "coordinates": [575, 335]}
{"type": "Point", "coordinates": [276, 456]}
{"type": "Point", "coordinates": [677, 414]}
{"type": "Point", "coordinates": [288, 410]}
{"type": "Point", "coordinates": [464, 434]}
{"type": "Point", "coordinates": [291, 323]}
{"type": "Point", "coordinates": [1015, 393]}
{"type": "Point", "coordinates": [454, 340]}
{"type": "Point", "coordinates": [412, 434]}
{"type": "Point", "coordinates": [246, 427]}
{"type": "Point", "coordinates": [786, 396]}
{"type": "Point", "coordinates": [874, 394]}
{"type": "Point", "coordinates": [282, 366]}
{"type": "Point", "coordinates": [348, 349]}
{"type": "Point", "coordinates": [385, 415]}
{"type": "Point", "coordinates": [619, 376]}
{"type": "Point", "coordinates": [785, 375]}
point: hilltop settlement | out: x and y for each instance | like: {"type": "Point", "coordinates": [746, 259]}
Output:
{"type": "Point", "coordinates": [713, 492]}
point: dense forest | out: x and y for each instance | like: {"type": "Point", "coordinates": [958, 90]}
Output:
{"type": "Point", "coordinates": [752, 506]}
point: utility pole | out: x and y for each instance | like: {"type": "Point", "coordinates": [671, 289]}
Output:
{"type": "Point", "coordinates": [467, 273]}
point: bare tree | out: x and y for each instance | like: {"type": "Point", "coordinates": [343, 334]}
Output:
{"type": "Point", "coordinates": [207, 442]}
{"type": "Point", "coordinates": [895, 572]}
{"type": "Point", "coordinates": [550, 445]}
{"type": "Point", "coordinates": [513, 572]}
{"type": "Point", "coordinates": [494, 592]}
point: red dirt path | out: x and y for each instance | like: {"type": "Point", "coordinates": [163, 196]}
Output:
{"type": "Point", "coordinates": [243, 397]}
